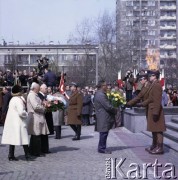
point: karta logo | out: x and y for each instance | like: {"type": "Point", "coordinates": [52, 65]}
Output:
{"type": "Point", "coordinates": [116, 168]}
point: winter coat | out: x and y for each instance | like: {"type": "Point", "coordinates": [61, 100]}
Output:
{"type": "Point", "coordinates": [15, 127]}
{"type": "Point", "coordinates": [36, 122]}
{"type": "Point", "coordinates": [105, 112]}
{"type": "Point", "coordinates": [153, 103]}
{"type": "Point", "coordinates": [86, 104]}
{"type": "Point", "coordinates": [50, 79]}
{"type": "Point", "coordinates": [143, 95]}
{"type": "Point", "coordinates": [74, 110]}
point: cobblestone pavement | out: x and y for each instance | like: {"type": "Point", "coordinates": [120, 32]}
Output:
{"type": "Point", "coordinates": [77, 160]}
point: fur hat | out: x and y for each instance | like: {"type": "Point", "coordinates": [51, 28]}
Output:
{"type": "Point", "coordinates": [16, 89]}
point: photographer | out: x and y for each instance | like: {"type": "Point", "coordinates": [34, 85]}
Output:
{"type": "Point", "coordinates": [42, 65]}
{"type": "Point", "coordinates": [128, 85]}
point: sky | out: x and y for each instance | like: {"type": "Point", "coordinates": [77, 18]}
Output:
{"type": "Point", "coordinates": [24, 21]}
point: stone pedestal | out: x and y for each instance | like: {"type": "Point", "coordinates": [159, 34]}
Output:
{"type": "Point", "coordinates": [135, 119]}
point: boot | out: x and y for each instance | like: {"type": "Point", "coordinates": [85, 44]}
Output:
{"type": "Point", "coordinates": [77, 137]}
{"type": "Point", "coordinates": [158, 149]}
{"type": "Point", "coordinates": [154, 142]}
{"type": "Point", "coordinates": [11, 156]}
{"type": "Point", "coordinates": [150, 148]}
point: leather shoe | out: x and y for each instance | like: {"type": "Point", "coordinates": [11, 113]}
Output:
{"type": "Point", "coordinates": [150, 148]}
{"type": "Point", "coordinates": [12, 159]}
{"type": "Point", "coordinates": [105, 152]}
{"type": "Point", "coordinates": [48, 152]}
{"type": "Point", "coordinates": [157, 150]}
{"type": "Point", "coordinates": [76, 138]}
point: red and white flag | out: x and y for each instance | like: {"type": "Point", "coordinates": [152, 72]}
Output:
{"type": "Point", "coordinates": [61, 84]}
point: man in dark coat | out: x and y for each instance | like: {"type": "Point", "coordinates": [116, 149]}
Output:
{"type": "Point", "coordinates": [74, 111]}
{"type": "Point", "coordinates": [128, 85]}
{"type": "Point", "coordinates": [5, 103]}
{"type": "Point", "coordinates": [49, 78]}
{"type": "Point", "coordinates": [86, 108]}
{"type": "Point", "coordinates": [105, 116]}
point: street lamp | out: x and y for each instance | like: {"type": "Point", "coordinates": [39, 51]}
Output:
{"type": "Point", "coordinates": [97, 48]}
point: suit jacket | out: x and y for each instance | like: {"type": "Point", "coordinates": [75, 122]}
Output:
{"type": "Point", "coordinates": [105, 112]}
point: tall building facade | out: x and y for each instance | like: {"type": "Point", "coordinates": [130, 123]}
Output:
{"type": "Point", "coordinates": [150, 26]}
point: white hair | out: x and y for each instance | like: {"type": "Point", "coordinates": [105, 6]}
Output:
{"type": "Point", "coordinates": [34, 85]}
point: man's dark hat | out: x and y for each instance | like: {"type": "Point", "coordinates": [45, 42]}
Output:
{"type": "Point", "coordinates": [73, 84]}
{"type": "Point", "coordinates": [155, 73]}
{"type": "Point", "coordinates": [17, 89]}
{"type": "Point", "coordinates": [143, 76]}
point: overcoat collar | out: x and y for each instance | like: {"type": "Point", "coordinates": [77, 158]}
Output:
{"type": "Point", "coordinates": [73, 94]}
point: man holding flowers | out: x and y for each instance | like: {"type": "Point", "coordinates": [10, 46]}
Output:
{"type": "Point", "coordinates": [105, 115]}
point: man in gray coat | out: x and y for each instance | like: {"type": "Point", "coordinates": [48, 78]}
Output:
{"type": "Point", "coordinates": [105, 116]}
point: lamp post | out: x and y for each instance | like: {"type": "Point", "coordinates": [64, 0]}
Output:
{"type": "Point", "coordinates": [97, 48]}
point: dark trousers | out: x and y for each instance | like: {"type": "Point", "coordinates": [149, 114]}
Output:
{"type": "Point", "coordinates": [12, 150]}
{"type": "Point", "coordinates": [128, 95]}
{"type": "Point", "coordinates": [77, 129]}
{"type": "Point", "coordinates": [44, 144]}
{"type": "Point", "coordinates": [85, 119]}
{"type": "Point", "coordinates": [49, 121]}
{"type": "Point", "coordinates": [102, 141]}
{"type": "Point", "coordinates": [39, 144]}
{"type": "Point", "coordinates": [57, 129]}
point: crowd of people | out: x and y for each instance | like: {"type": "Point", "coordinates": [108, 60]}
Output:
{"type": "Point", "coordinates": [27, 103]}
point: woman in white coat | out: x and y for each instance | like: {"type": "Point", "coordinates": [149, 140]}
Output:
{"type": "Point", "coordinates": [15, 127]}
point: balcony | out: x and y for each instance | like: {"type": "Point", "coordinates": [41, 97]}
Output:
{"type": "Point", "coordinates": [165, 56]}
{"type": "Point", "coordinates": [170, 47]}
{"type": "Point", "coordinates": [168, 18]}
{"type": "Point", "coordinates": [168, 27]}
{"type": "Point", "coordinates": [173, 7]}
{"type": "Point", "coordinates": [168, 37]}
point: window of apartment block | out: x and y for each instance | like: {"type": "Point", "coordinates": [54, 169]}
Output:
{"type": "Point", "coordinates": [76, 57]}
{"type": "Point", "coordinates": [151, 3]}
{"type": "Point", "coordinates": [64, 57]}
{"type": "Point", "coordinates": [129, 13]}
{"type": "Point", "coordinates": [129, 23]}
{"type": "Point", "coordinates": [129, 3]}
{"type": "Point", "coordinates": [151, 22]}
{"type": "Point", "coordinates": [151, 13]}
{"type": "Point", "coordinates": [151, 32]}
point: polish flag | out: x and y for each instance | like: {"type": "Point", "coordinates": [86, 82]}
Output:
{"type": "Point", "coordinates": [61, 84]}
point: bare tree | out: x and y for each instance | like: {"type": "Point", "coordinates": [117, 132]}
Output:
{"type": "Point", "coordinates": [100, 31]}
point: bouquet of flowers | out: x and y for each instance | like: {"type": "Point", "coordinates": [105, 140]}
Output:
{"type": "Point", "coordinates": [116, 99]}
{"type": "Point", "coordinates": [55, 103]}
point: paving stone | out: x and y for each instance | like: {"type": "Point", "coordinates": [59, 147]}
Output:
{"type": "Point", "coordinates": [79, 160]}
